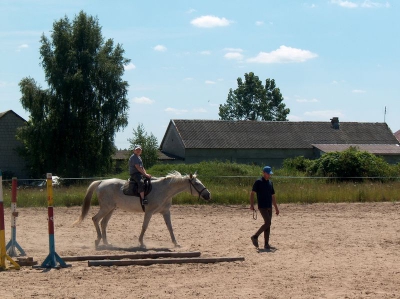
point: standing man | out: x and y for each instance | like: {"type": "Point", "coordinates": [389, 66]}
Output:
{"type": "Point", "coordinates": [265, 199]}
{"type": "Point", "coordinates": [137, 171]}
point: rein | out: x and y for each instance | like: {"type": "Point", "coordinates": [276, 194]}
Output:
{"type": "Point", "coordinates": [254, 211]}
{"type": "Point", "coordinates": [192, 185]}
{"type": "Point", "coordinates": [201, 191]}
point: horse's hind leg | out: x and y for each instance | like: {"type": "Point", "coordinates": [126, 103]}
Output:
{"type": "Point", "coordinates": [167, 219]}
{"type": "Point", "coordinates": [96, 219]}
{"type": "Point", "coordinates": [104, 223]}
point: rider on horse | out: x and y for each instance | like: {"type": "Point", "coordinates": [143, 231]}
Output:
{"type": "Point", "coordinates": [137, 171]}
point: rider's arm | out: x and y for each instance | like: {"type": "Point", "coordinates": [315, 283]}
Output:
{"type": "Point", "coordinates": [142, 170]}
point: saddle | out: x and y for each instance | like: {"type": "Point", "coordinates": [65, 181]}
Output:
{"type": "Point", "coordinates": [130, 188]}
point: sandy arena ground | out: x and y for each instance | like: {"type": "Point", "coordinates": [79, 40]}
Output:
{"type": "Point", "coordinates": [322, 251]}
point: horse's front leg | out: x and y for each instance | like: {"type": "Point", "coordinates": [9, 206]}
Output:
{"type": "Point", "coordinates": [167, 219]}
{"type": "Point", "coordinates": [146, 220]}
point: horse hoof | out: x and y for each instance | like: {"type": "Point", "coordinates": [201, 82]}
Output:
{"type": "Point", "coordinates": [142, 246]}
{"type": "Point", "coordinates": [177, 246]}
{"type": "Point", "coordinates": [96, 243]}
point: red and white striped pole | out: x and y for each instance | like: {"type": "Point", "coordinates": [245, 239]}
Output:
{"type": "Point", "coordinates": [3, 253]}
{"type": "Point", "coordinates": [12, 245]}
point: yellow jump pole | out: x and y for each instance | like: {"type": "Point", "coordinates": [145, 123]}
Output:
{"type": "Point", "coordinates": [53, 260]}
{"type": "Point", "coordinates": [3, 253]}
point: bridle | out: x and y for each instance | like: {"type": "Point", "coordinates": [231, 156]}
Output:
{"type": "Point", "coordinates": [192, 185]}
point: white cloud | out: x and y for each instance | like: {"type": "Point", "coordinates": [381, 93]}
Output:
{"type": "Point", "coordinates": [160, 48]}
{"type": "Point", "coordinates": [143, 100]}
{"type": "Point", "coordinates": [21, 47]}
{"type": "Point", "coordinates": [364, 4]}
{"type": "Point", "coordinates": [370, 4]}
{"type": "Point", "coordinates": [346, 4]}
{"type": "Point", "coordinates": [190, 11]}
{"type": "Point", "coordinates": [175, 111]}
{"type": "Point", "coordinates": [205, 52]}
{"type": "Point", "coordinates": [307, 101]}
{"type": "Point", "coordinates": [200, 110]}
{"type": "Point", "coordinates": [129, 67]}
{"type": "Point", "coordinates": [324, 114]}
{"type": "Point", "coordinates": [210, 22]}
{"type": "Point", "coordinates": [283, 55]}
{"type": "Point", "coordinates": [233, 55]}
{"type": "Point", "coordinates": [209, 82]}
{"type": "Point", "coordinates": [259, 23]}
{"type": "Point", "coordinates": [188, 79]}
{"type": "Point", "coordinates": [358, 91]}
{"type": "Point", "coordinates": [5, 84]}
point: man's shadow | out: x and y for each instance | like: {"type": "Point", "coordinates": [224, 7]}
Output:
{"type": "Point", "coordinates": [271, 249]}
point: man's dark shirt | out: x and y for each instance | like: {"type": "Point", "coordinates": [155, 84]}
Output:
{"type": "Point", "coordinates": [264, 189]}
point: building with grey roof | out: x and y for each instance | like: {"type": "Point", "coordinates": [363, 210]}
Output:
{"type": "Point", "coordinates": [10, 162]}
{"type": "Point", "coordinates": [271, 142]}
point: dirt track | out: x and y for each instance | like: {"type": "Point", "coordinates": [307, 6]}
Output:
{"type": "Point", "coordinates": [322, 251]}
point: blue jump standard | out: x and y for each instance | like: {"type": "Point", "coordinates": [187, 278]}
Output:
{"type": "Point", "coordinates": [53, 260]}
{"type": "Point", "coordinates": [13, 244]}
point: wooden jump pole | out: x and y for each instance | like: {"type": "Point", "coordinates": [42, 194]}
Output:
{"type": "Point", "coordinates": [132, 256]}
{"type": "Point", "coordinates": [13, 244]}
{"type": "Point", "coordinates": [53, 259]}
{"type": "Point", "coordinates": [164, 261]}
{"type": "Point", "coordinates": [3, 252]}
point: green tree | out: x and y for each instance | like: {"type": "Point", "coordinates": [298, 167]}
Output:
{"type": "Point", "coordinates": [148, 143]}
{"type": "Point", "coordinates": [251, 100]}
{"type": "Point", "coordinates": [72, 124]}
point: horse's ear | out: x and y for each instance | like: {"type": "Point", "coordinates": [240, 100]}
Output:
{"type": "Point", "coordinates": [191, 176]}
{"type": "Point", "coordinates": [195, 173]}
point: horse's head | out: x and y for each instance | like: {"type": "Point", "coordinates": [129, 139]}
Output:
{"type": "Point", "coordinates": [199, 187]}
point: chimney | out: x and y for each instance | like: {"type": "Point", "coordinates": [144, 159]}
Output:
{"type": "Point", "coordinates": [335, 123]}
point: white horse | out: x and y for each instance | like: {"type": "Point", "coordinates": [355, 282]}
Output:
{"type": "Point", "coordinates": [110, 196]}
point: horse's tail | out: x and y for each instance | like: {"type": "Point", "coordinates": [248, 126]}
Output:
{"type": "Point", "coordinates": [86, 201]}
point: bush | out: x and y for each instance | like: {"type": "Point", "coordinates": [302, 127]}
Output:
{"type": "Point", "coordinates": [352, 164]}
{"type": "Point", "coordinates": [298, 164]}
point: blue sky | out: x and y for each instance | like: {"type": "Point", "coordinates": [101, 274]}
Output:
{"type": "Point", "coordinates": [330, 58]}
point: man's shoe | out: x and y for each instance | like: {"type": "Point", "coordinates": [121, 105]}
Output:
{"type": "Point", "coordinates": [254, 239]}
{"type": "Point", "coordinates": [267, 247]}
{"type": "Point", "coordinates": [145, 202]}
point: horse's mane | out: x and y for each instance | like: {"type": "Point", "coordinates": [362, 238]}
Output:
{"type": "Point", "coordinates": [176, 175]}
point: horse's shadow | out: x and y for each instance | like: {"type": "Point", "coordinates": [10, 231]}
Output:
{"type": "Point", "coordinates": [131, 249]}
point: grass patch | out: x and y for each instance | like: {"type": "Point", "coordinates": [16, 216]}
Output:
{"type": "Point", "coordinates": [230, 183]}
